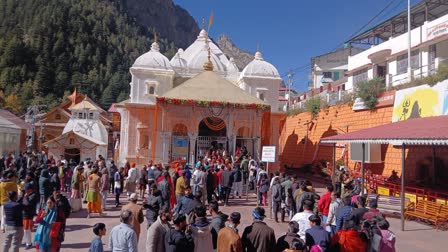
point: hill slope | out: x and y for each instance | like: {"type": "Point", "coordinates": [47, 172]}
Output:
{"type": "Point", "coordinates": [49, 47]}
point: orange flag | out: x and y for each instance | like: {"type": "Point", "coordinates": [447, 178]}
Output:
{"type": "Point", "coordinates": [210, 21]}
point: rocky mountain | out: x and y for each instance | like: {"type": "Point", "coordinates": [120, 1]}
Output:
{"type": "Point", "coordinates": [169, 20]}
{"type": "Point", "coordinates": [241, 57]}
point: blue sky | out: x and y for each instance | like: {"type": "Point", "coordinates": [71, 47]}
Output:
{"type": "Point", "coordinates": [290, 32]}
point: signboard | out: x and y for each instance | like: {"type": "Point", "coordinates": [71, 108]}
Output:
{"type": "Point", "coordinates": [437, 30]}
{"type": "Point", "coordinates": [180, 147]}
{"type": "Point", "coordinates": [384, 99]}
{"type": "Point", "coordinates": [383, 191]}
{"type": "Point", "coordinates": [421, 101]}
{"type": "Point", "coordinates": [268, 154]}
{"type": "Point", "coordinates": [441, 201]}
{"type": "Point", "coordinates": [412, 197]}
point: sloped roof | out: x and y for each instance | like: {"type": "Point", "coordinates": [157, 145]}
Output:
{"type": "Point", "coordinates": [6, 115]}
{"type": "Point", "coordinates": [85, 104]}
{"type": "Point", "coordinates": [419, 131]}
{"type": "Point", "coordinates": [209, 86]}
{"type": "Point", "coordinates": [67, 134]}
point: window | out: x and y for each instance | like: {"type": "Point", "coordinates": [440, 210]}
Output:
{"type": "Point", "coordinates": [359, 76]}
{"type": "Point", "coordinates": [72, 141]}
{"type": "Point", "coordinates": [80, 116]}
{"type": "Point", "coordinates": [151, 90]}
{"type": "Point", "coordinates": [432, 55]}
{"type": "Point", "coordinates": [261, 96]}
{"type": "Point", "coordinates": [327, 75]}
{"type": "Point", "coordinates": [336, 76]}
{"type": "Point", "coordinates": [90, 115]}
{"type": "Point", "coordinates": [402, 62]}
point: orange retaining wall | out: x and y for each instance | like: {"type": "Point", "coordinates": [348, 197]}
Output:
{"type": "Point", "coordinates": [297, 149]}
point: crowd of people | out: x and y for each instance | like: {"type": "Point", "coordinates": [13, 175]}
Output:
{"type": "Point", "coordinates": [182, 206]}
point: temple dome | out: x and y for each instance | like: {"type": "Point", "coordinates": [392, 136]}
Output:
{"type": "Point", "coordinates": [177, 61]}
{"type": "Point", "coordinates": [260, 68]}
{"type": "Point", "coordinates": [197, 62]}
{"type": "Point", "coordinates": [153, 59]}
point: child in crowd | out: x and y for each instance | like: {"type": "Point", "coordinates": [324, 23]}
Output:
{"type": "Point", "coordinates": [97, 245]}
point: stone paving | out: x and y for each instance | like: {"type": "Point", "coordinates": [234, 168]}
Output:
{"type": "Point", "coordinates": [417, 237]}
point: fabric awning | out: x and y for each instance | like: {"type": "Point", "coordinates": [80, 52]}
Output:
{"type": "Point", "coordinates": [419, 131]}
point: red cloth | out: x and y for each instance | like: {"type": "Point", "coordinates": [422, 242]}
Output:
{"type": "Point", "coordinates": [324, 204]}
{"type": "Point", "coordinates": [219, 175]}
{"type": "Point", "coordinates": [349, 241]}
{"type": "Point", "coordinates": [215, 180]}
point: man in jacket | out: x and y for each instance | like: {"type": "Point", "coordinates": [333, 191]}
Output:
{"type": "Point", "coordinates": [258, 236]}
{"type": "Point", "coordinates": [277, 195]}
{"type": "Point", "coordinates": [361, 209]}
{"type": "Point", "coordinates": [316, 235]}
{"type": "Point", "coordinates": [218, 221]}
{"type": "Point", "coordinates": [228, 238]}
{"type": "Point", "coordinates": [200, 182]}
{"type": "Point", "coordinates": [334, 205]}
{"type": "Point", "coordinates": [8, 184]}
{"type": "Point", "coordinates": [137, 213]}
{"type": "Point", "coordinates": [181, 186]}
{"type": "Point", "coordinates": [155, 238]}
{"type": "Point", "coordinates": [44, 187]}
{"type": "Point", "coordinates": [164, 188]}
{"type": "Point", "coordinates": [200, 230]}
{"type": "Point", "coordinates": [285, 241]}
{"type": "Point", "coordinates": [13, 223]}
{"type": "Point", "coordinates": [153, 205]}
{"type": "Point", "coordinates": [343, 212]}
{"type": "Point", "coordinates": [237, 181]}
{"type": "Point", "coordinates": [227, 181]}
{"type": "Point", "coordinates": [179, 238]}
{"type": "Point", "coordinates": [183, 202]}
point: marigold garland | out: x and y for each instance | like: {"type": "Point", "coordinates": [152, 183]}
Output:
{"type": "Point", "coordinates": [212, 103]}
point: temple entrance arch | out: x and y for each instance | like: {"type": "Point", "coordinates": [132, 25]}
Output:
{"type": "Point", "coordinates": [212, 134]}
{"type": "Point", "coordinates": [244, 141]}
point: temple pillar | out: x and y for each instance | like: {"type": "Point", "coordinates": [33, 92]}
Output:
{"type": "Point", "coordinates": [257, 148]}
{"type": "Point", "coordinates": [166, 140]}
{"type": "Point", "coordinates": [193, 137]}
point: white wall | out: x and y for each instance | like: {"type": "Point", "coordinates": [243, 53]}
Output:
{"type": "Point", "coordinates": [162, 80]}
{"type": "Point", "coordinates": [271, 93]}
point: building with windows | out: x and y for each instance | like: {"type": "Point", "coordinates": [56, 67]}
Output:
{"type": "Point", "coordinates": [13, 133]}
{"type": "Point", "coordinates": [180, 108]}
{"type": "Point", "coordinates": [387, 58]}
{"type": "Point", "coordinates": [330, 67]}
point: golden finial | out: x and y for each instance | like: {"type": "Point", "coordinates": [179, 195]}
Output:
{"type": "Point", "coordinates": [155, 37]}
{"type": "Point", "coordinates": [203, 23]}
{"type": "Point", "coordinates": [85, 97]}
{"type": "Point", "coordinates": [208, 65]}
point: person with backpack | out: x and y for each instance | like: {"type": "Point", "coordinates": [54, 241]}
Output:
{"type": "Point", "coordinates": [277, 197]}
{"type": "Point", "coordinates": [388, 237]}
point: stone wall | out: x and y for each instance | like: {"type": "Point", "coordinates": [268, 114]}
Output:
{"type": "Point", "coordinates": [297, 147]}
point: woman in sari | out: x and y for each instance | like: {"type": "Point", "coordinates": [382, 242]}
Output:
{"type": "Point", "coordinates": [93, 195]}
{"type": "Point", "coordinates": [45, 219]}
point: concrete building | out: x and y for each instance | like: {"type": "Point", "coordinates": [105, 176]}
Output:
{"type": "Point", "coordinates": [387, 57]}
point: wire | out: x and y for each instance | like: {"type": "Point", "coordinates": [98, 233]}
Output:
{"type": "Point", "coordinates": [307, 66]}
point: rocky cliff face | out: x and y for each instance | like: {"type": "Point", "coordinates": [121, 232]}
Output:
{"type": "Point", "coordinates": [168, 19]}
{"type": "Point", "coordinates": [242, 58]}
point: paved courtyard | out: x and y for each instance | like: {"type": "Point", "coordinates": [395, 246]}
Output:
{"type": "Point", "coordinates": [417, 237]}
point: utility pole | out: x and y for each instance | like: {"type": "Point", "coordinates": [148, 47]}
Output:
{"type": "Point", "coordinates": [409, 42]}
{"type": "Point", "coordinates": [290, 76]}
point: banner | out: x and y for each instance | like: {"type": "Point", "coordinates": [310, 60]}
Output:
{"type": "Point", "coordinates": [421, 101]}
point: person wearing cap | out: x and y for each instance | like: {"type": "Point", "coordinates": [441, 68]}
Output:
{"type": "Point", "coordinates": [228, 237]}
{"type": "Point", "coordinates": [137, 213]}
{"type": "Point", "coordinates": [13, 225]}
{"type": "Point", "coordinates": [179, 239]}
{"type": "Point", "coordinates": [258, 236]}
{"type": "Point", "coordinates": [123, 237]}
{"type": "Point", "coordinates": [30, 200]}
